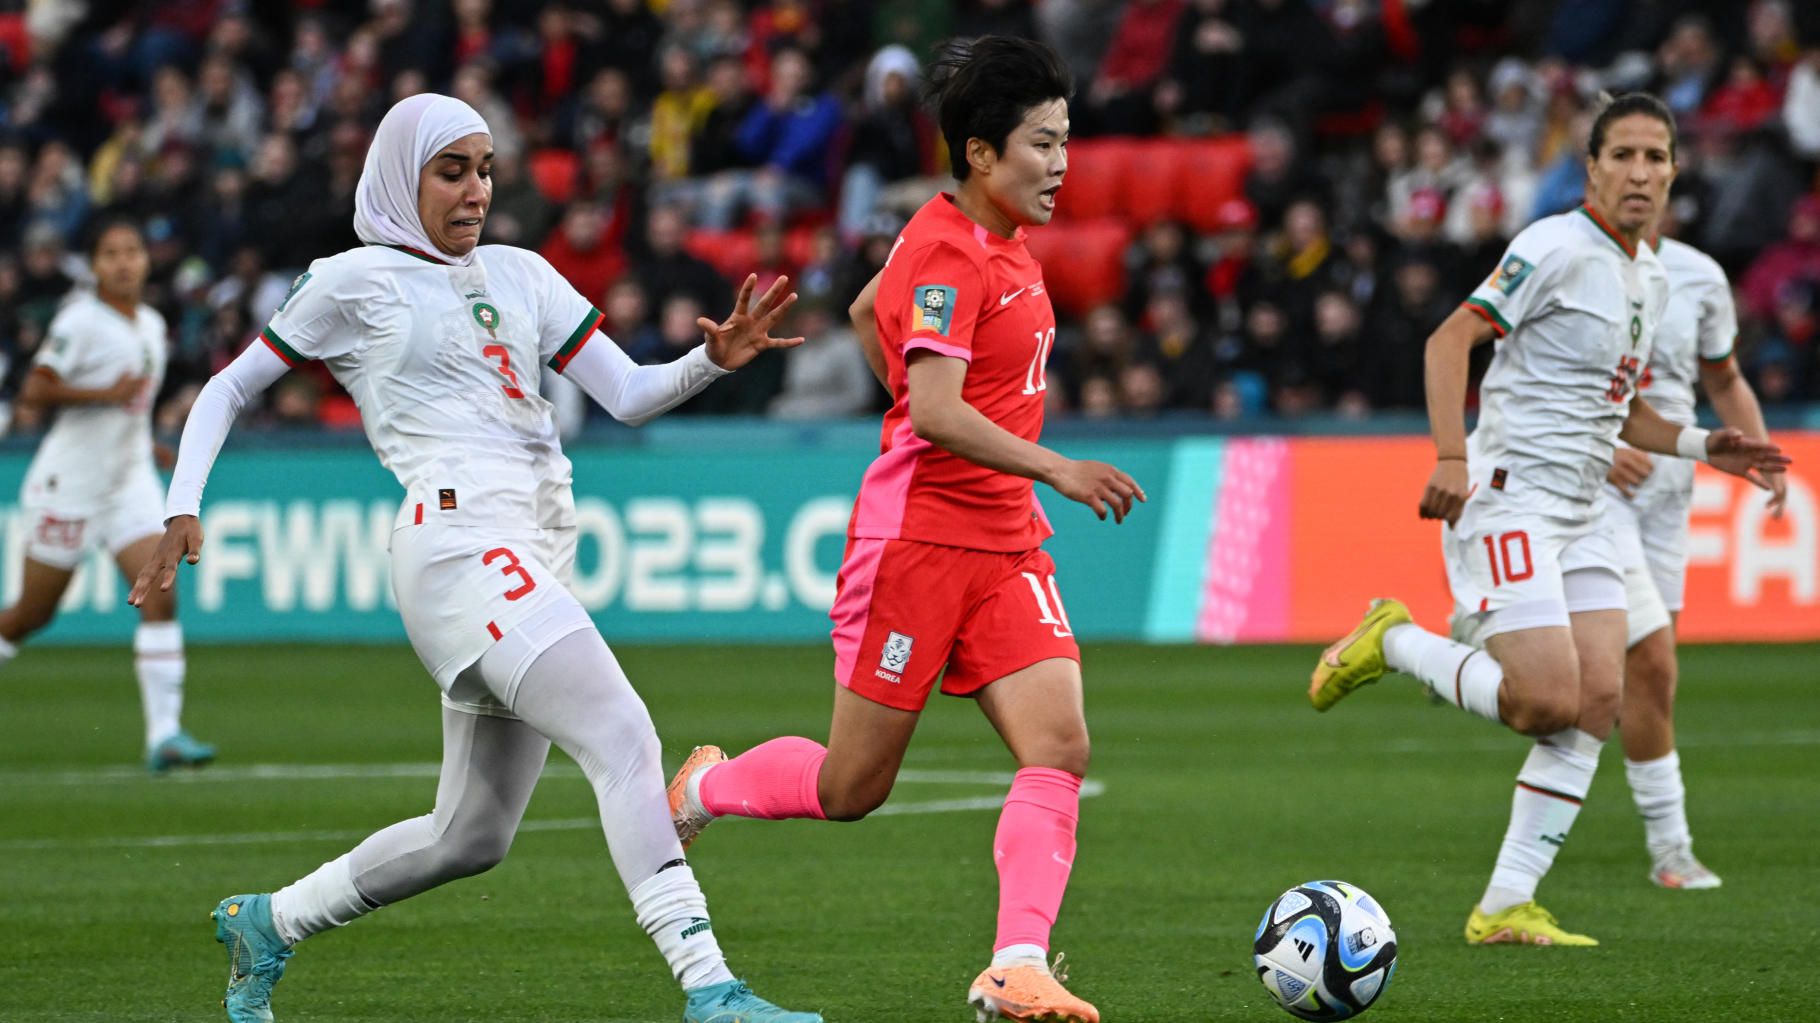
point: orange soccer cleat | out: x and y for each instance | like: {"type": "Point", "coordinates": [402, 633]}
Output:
{"type": "Point", "coordinates": [1032, 993]}
{"type": "Point", "coordinates": [686, 811]}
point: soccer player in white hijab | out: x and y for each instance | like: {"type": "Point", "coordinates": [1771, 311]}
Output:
{"type": "Point", "coordinates": [439, 340]}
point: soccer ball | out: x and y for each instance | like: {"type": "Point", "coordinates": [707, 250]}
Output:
{"type": "Point", "coordinates": [1325, 950]}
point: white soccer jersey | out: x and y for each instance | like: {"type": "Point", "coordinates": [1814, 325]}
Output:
{"type": "Point", "coordinates": [1701, 325]}
{"type": "Point", "coordinates": [1575, 309]}
{"type": "Point", "coordinates": [92, 449]}
{"type": "Point", "coordinates": [443, 362]}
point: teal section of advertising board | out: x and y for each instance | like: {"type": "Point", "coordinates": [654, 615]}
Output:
{"type": "Point", "coordinates": [678, 539]}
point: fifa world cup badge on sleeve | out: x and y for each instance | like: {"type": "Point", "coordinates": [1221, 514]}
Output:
{"type": "Point", "coordinates": [934, 308]}
{"type": "Point", "coordinates": [1512, 273]}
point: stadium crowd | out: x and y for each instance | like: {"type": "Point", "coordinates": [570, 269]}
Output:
{"type": "Point", "coordinates": [1386, 151]}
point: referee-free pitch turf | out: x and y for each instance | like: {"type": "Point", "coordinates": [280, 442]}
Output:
{"type": "Point", "coordinates": [1221, 788]}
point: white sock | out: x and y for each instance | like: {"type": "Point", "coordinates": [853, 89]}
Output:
{"type": "Point", "coordinates": [324, 899]}
{"type": "Point", "coordinates": [158, 661]}
{"type": "Point", "coordinates": [1550, 789]}
{"type": "Point", "coordinates": [1021, 955]}
{"type": "Point", "coordinates": [674, 912]}
{"type": "Point", "coordinates": [1464, 676]}
{"type": "Point", "coordinates": [1662, 801]}
{"type": "Point", "coordinates": [7, 651]}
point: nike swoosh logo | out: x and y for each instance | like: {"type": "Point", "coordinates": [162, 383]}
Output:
{"type": "Point", "coordinates": [1057, 857]}
{"type": "Point", "coordinates": [1000, 981]}
{"type": "Point", "coordinates": [1006, 298]}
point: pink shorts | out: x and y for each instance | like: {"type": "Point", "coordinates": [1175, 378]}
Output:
{"type": "Point", "coordinates": [905, 611]}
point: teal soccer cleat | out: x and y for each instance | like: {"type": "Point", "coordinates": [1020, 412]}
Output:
{"type": "Point", "coordinates": [180, 750]}
{"type": "Point", "coordinates": [256, 956]}
{"type": "Point", "coordinates": [734, 1002]}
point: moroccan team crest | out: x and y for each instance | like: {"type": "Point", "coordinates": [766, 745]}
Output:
{"type": "Point", "coordinates": [487, 317]}
{"type": "Point", "coordinates": [897, 653]}
{"type": "Point", "coordinates": [934, 309]}
{"type": "Point", "coordinates": [1512, 273]}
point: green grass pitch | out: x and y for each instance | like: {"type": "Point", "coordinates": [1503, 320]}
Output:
{"type": "Point", "coordinates": [1221, 788]}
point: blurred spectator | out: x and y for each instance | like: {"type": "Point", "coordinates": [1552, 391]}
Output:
{"type": "Point", "coordinates": [1399, 330]}
{"type": "Point", "coordinates": [44, 276]}
{"type": "Point", "coordinates": [1795, 258]}
{"type": "Point", "coordinates": [678, 114]}
{"type": "Point", "coordinates": [519, 215]}
{"type": "Point", "coordinates": [1078, 30]}
{"type": "Point", "coordinates": [1118, 97]}
{"type": "Point", "coordinates": [891, 155]}
{"type": "Point", "coordinates": [1515, 119]}
{"type": "Point", "coordinates": [826, 375]}
{"type": "Point", "coordinates": [1744, 102]}
{"type": "Point", "coordinates": [1278, 177]}
{"type": "Point", "coordinates": [1459, 108]}
{"type": "Point", "coordinates": [1801, 106]}
{"type": "Point", "coordinates": [1161, 262]}
{"type": "Point", "coordinates": [230, 111]}
{"type": "Point", "coordinates": [580, 251]}
{"type": "Point", "coordinates": [473, 85]}
{"type": "Point", "coordinates": [1179, 351]}
{"type": "Point", "coordinates": [1689, 63]}
{"type": "Point", "coordinates": [995, 18]}
{"type": "Point", "coordinates": [1285, 46]}
{"type": "Point", "coordinates": [601, 115]}
{"type": "Point", "coordinates": [1102, 350]}
{"type": "Point", "coordinates": [14, 165]}
{"type": "Point", "coordinates": [1199, 91]}
{"type": "Point", "coordinates": [667, 269]}
{"type": "Point", "coordinates": [1337, 362]}
{"type": "Point", "coordinates": [628, 317]}
{"type": "Point", "coordinates": [624, 36]}
{"type": "Point", "coordinates": [56, 192]}
{"type": "Point", "coordinates": [784, 142]}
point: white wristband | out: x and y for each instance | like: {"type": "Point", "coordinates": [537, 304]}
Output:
{"type": "Point", "coordinates": [1692, 443]}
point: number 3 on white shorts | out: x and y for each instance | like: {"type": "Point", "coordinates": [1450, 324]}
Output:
{"type": "Point", "coordinates": [509, 569]}
{"type": "Point", "coordinates": [1053, 615]}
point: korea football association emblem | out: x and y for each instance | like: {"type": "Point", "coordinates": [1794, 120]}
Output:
{"type": "Point", "coordinates": [897, 653]}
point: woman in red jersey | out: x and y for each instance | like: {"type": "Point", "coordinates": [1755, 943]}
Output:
{"type": "Point", "coordinates": [944, 575]}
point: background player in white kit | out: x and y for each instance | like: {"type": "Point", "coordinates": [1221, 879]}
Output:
{"type": "Point", "coordinates": [439, 341]}
{"type": "Point", "coordinates": [1535, 576]}
{"type": "Point", "coordinates": [92, 482]}
{"type": "Point", "coordinates": [1646, 507]}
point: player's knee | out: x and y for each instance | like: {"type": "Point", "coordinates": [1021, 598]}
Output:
{"type": "Point", "coordinates": [853, 803]}
{"type": "Point", "coordinates": [1072, 753]}
{"type": "Point", "coordinates": [471, 850]}
{"type": "Point", "coordinates": [29, 617]}
{"type": "Point", "coordinates": [1542, 715]}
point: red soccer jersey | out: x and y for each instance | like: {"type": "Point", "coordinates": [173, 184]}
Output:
{"type": "Point", "coordinates": [959, 290]}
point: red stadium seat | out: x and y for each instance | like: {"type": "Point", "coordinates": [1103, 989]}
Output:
{"type": "Point", "coordinates": [1097, 171]}
{"type": "Point", "coordinates": [1083, 262]}
{"type": "Point", "coordinates": [1157, 178]}
{"type": "Point", "coordinates": [1214, 173]}
{"type": "Point", "coordinates": [731, 253]}
{"type": "Point", "coordinates": [553, 173]}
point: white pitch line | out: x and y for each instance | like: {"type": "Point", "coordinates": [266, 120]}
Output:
{"type": "Point", "coordinates": [1089, 789]}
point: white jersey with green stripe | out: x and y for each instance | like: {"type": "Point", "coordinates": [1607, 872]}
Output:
{"type": "Point", "coordinates": [1576, 308]}
{"type": "Point", "coordinates": [1701, 326]}
{"type": "Point", "coordinates": [444, 362]}
{"type": "Point", "coordinates": [91, 450]}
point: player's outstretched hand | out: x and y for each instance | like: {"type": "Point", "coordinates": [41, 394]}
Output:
{"type": "Point", "coordinates": [1099, 486]}
{"type": "Point", "coordinates": [182, 540]}
{"type": "Point", "coordinates": [747, 333]}
{"type": "Point", "coordinates": [1629, 468]}
{"type": "Point", "coordinates": [1753, 458]}
{"type": "Point", "coordinates": [1445, 496]}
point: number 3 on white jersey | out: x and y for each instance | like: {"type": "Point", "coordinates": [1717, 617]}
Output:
{"type": "Point", "coordinates": [1052, 615]}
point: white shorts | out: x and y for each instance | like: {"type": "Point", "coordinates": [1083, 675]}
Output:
{"type": "Point", "coordinates": [59, 536]}
{"type": "Point", "coordinates": [460, 589]}
{"type": "Point", "coordinates": [1658, 515]}
{"type": "Point", "coordinates": [1511, 568]}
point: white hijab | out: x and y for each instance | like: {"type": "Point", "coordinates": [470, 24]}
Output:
{"type": "Point", "coordinates": [413, 131]}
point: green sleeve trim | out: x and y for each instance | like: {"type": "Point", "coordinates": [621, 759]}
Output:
{"type": "Point", "coordinates": [1491, 313]}
{"type": "Point", "coordinates": [285, 351]}
{"type": "Point", "coordinates": [583, 331]}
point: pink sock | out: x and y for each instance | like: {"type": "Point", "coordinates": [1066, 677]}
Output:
{"type": "Point", "coordinates": [1034, 850]}
{"type": "Point", "coordinates": [773, 781]}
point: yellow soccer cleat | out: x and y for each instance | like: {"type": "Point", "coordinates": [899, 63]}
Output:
{"type": "Point", "coordinates": [1359, 658]}
{"type": "Point", "coordinates": [1032, 993]}
{"type": "Point", "coordinates": [1522, 924]}
{"type": "Point", "coordinates": [686, 811]}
